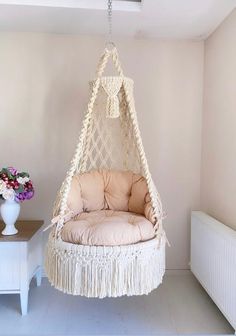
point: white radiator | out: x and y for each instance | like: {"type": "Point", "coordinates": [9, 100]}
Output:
{"type": "Point", "coordinates": [213, 261]}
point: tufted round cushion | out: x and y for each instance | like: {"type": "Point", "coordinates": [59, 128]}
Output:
{"type": "Point", "coordinates": [110, 190]}
{"type": "Point", "coordinates": [107, 227]}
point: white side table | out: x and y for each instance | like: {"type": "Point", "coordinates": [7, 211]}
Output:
{"type": "Point", "coordinates": [21, 260]}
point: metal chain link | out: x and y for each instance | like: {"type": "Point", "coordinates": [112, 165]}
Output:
{"type": "Point", "coordinates": [109, 20]}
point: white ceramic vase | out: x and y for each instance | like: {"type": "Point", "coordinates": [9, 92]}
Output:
{"type": "Point", "coordinates": [10, 211]}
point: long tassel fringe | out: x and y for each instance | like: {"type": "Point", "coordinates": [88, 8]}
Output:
{"type": "Point", "coordinates": [96, 271]}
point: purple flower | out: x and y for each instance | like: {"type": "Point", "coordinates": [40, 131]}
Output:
{"type": "Point", "coordinates": [12, 170]}
{"type": "Point", "coordinates": [24, 196]}
{"type": "Point", "coordinates": [20, 197]}
{"type": "Point", "coordinates": [29, 194]}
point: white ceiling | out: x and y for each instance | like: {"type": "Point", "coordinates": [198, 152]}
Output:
{"type": "Point", "coordinates": [181, 19]}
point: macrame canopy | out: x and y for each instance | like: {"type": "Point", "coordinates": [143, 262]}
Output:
{"type": "Point", "coordinates": [110, 137]}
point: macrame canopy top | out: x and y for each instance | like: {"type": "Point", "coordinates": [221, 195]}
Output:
{"type": "Point", "coordinates": [110, 138]}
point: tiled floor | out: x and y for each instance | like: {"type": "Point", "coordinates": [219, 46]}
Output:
{"type": "Point", "coordinates": [178, 306]}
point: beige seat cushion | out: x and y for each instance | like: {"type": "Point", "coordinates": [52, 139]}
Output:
{"type": "Point", "coordinates": [139, 195]}
{"type": "Point", "coordinates": [117, 189]}
{"type": "Point", "coordinates": [110, 190]}
{"type": "Point", "coordinates": [92, 190]}
{"type": "Point", "coordinates": [107, 227]}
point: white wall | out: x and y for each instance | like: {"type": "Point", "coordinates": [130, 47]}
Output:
{"type": "Point", "coordinates": [44, 91]}
{"type": "Point", "coordinates": [218, 187]}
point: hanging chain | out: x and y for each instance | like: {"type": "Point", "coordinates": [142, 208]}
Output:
{"type": "Point", "coordinates": [109, 20]}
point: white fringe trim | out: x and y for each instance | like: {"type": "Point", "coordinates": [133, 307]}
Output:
{"type": "Point", "coordinates": [105, 271]}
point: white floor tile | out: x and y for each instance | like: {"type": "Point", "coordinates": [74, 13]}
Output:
{"type": "Point", "coordinates": [192, 309]}
{"type": "Point", "coordinates": [178, 306]}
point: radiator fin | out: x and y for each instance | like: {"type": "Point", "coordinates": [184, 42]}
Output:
{"type": "Point", "coordinates": [213, 261]}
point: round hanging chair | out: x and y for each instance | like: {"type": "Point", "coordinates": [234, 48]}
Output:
{"type": "Point", "coordinates": [109, 143]}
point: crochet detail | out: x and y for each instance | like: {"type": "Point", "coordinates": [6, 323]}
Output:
{"type": "Point", "coordinates": [111, 86]}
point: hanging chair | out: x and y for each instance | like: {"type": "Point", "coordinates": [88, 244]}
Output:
{"type": "Point", "coordinates": [108, 189]}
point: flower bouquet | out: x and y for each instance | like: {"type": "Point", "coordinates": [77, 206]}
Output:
{"type": "Point", "coordinates": [15, 187]}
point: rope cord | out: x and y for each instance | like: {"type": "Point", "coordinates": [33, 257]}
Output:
{"type": "Point", "coordinates": [155, 200]}
{"type": "Point", "coordinates": [78, 162]}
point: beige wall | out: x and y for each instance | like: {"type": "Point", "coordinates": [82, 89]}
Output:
{"type": "Point", "coordinates": [218, 187]}
{"type": "Point", "coordinates": [44, 91]}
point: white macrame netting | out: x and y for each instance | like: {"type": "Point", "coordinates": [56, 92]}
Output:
{"type": "Point", "coordinates": [110, 138]}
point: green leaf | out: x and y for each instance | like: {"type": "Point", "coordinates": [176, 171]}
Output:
{"type": "Point", "coordinates": [24, 174]}
{"type": "Point", "coordinates": [20, 189]}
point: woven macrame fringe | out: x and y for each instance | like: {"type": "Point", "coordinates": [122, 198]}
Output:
{"type": "Point", "coordinates": [105, 271]}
